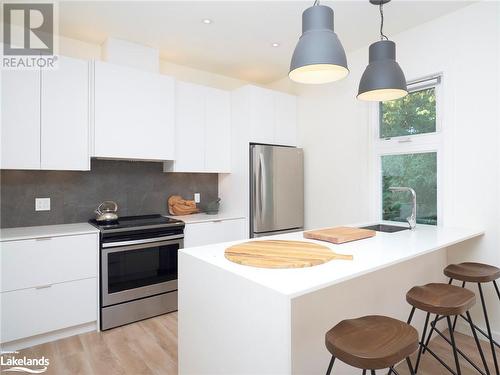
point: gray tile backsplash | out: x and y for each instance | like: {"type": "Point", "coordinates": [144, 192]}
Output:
{"type": "Point", "coordinates": [138, 188]}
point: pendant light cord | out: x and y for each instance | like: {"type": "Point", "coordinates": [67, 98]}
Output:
{"type": "Point", "coordinates": [316, 2]}
{"type": "Point", "coordinates": [382, 35]}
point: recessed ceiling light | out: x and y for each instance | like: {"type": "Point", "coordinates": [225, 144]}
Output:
{"type": "Point", "coordinates": [275, 45]}
{"type": "Point", "coordinates": [207, 21]}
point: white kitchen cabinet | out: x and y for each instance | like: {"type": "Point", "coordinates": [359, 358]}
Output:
{"type": "Point", "coordinates": [133, 113]}
{"type": "Point", "coordinates": [47, 260]}
{"type": "Point", "coordinates": [203, 130]}
{"type": "Point", "coordinates": [265, 116]}
{"type": "Point", "coordinates": [205, 233]}
{"type": "Point", "coordinates": [218, 131]}
{"type": "Point", "coordinates": [48, 284]}
{"type": "Point", "coordinates": [65, 116]}
{"type": "Point", "coordinates": [34, 311]}
{"type": "Point", "coordinates": [45, 117]}
{"type": "Point", "coordinates": [189, 127]}
{"type": "Point", "coordinates": [285, 119]}
{"type": "Point", "coordinates": [20, 131]}
{"type": "Point", "coordinates": [261, 115]}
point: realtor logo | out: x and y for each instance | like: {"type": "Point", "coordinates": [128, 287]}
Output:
{"type": "Point", "coordinates": [28, 29]}
{"type": "Point", "coordinates": [29, 36]}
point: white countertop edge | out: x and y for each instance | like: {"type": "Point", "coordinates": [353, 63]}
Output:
{"type": "Point", "coordinates": [44, 231]}
{"type": "Point", "coordinates": [472, 233]}
{"type": "Point", "coordinates": [205, 218]}
{"type": "Point", "coordinates": [382, 266]}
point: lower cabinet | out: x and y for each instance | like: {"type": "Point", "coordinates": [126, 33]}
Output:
{"type": "Point", "coordinates": [33, 311]}
{"type": "Point", "coordinates": [48, 284]}
{"type": "Point", "coordinates": [206, 233]}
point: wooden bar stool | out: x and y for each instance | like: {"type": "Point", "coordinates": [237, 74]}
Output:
{"type": "Point", "coordinates": [477, 273]}
{"type": "Point", "coordinates": [444, 300]}
{"type": "Point", "coordinates": [371, 343]}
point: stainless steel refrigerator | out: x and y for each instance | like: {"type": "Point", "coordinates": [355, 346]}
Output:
{"type": "Point", "coordinates": [276, 189]}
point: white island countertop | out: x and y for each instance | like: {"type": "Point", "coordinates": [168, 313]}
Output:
{"type": "Point", "coordinates": [372, 254]}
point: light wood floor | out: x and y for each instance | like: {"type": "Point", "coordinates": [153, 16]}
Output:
{"type": "Point", "coordinates": [150, 347]}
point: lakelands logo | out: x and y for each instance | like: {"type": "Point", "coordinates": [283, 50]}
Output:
{"type": "Point", "coordinates": [28, 35]}
{"type": "Point", "coordinates": [24, 364]}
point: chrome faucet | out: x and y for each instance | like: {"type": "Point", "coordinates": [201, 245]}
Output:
{"type": "Point", "coordinates": [412, 219]}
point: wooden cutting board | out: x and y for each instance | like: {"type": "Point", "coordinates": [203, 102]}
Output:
{"type": "Point", "coordinates": [339, 235]}
{"type": "Point", "coordinates": [281, 254]}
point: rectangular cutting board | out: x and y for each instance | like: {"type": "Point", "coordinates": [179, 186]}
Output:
{"type": "Point", "coordinates": [339, 235]}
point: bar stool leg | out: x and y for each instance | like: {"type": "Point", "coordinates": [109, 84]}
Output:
{"type": "Point", "coordinates": [496, 288]}
{"type": "Point", "coordinates": [488, 328]}
{"type": "Point", "coordinates": [411, 315]}
{"type": "Point", "coordinates": [456, 316]}
{"type": "Point", "coordinates": [364, 372]}
{"type": "Point", "coordinates": [477, 343]}
{"type": "Point", "coordinates": [410, 367]}
{"type": "Point", "coordinates": [422, 342]}
{"type": "Point", "coordinates": [330, 365]}
{"type": "Point", "coordinates": [433, 326]}
{"type": "Point", "coordinates": [452, 337]}
{"type": "Point", "coordinates": [373, 372]}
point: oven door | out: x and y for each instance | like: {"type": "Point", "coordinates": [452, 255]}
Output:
{"type": "Point", "coordinates": [138, 270]}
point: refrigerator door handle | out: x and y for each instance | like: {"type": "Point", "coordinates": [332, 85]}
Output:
{"type": "Point", "coordinates": [262, 184]}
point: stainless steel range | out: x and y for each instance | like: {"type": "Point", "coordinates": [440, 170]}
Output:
{"type": "Point", "coordinates": [138, 268]}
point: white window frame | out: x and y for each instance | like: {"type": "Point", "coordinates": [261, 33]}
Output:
{"type": "Point", "coordinates": [418, 143]}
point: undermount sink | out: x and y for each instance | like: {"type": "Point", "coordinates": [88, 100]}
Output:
{"type": "Point", "coordinates": [385, 228]}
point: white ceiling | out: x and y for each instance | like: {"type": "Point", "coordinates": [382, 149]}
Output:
{"type": "Point", "coordinates": [238, 42]}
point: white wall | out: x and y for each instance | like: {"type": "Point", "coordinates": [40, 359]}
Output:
{"type": "Point", "coordinates": [333, 128]}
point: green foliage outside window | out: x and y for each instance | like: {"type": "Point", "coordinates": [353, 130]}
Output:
{"type": "Point", "coordinates": [413, 114]}
{"type": "Point", "coordinates": [418, 171]}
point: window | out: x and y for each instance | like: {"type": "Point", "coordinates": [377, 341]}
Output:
{"type": "Point", "coordinates": [407, 152]}
{"type": "Point", "coordinates": [418, 171]}
{"type": "Point", "coordinates": [413, 114]}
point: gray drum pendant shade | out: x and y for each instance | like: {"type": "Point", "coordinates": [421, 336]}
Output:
{"type": "Point", "coordinates": [319, 56]}
{"type": "Point", "coordinates": [383, 78]}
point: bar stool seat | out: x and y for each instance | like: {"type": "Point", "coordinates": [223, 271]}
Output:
{"type": "Point", "coordinates": [472, 272]}
{"type": "Point", "coordinates": [444, 300]}
{"type": "Point", "coordinates": [441, 299]}
{"type": "Point", "coordinates": [372, 342]}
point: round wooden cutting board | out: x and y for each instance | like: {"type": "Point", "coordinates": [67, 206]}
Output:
{"type": "Point", "coordinates": [281, 254]}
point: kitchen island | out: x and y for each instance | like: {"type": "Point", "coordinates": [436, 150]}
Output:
{"type": "Point", "coordinates": [236, 319]}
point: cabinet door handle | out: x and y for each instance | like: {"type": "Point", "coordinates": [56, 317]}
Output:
{"type": "Point", "coordinates": [217, 221]}
{"type": "Point", "coordinates": [43, 286]}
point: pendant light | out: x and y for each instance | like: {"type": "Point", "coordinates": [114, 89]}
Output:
{"type": "Point", "coordinates": [319, 56]}
{"type": "Point", "coordinates": [383, 78]}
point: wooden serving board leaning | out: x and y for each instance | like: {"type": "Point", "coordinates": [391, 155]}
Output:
{"type": "Point", "coordinates": [281, 254]}
{"type": "Point", "coordinates": [339, 235]}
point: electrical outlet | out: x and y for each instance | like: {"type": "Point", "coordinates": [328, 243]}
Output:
{"type": "Point", "coordinates": [197, 197]}
{"type": "Point", "coordinates": [42, 204]}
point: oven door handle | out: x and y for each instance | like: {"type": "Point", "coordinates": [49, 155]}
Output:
{"type": "Point", "coordinates": [150, 242]}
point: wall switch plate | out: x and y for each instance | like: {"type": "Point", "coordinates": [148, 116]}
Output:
{"type": "Point", "coordinates": [42, 204]}
{"type": "Point", "coordinates": [197, 197]}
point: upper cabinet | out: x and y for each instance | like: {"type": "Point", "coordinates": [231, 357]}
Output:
{"type": "Point", "coordinates": [65, 116]}
{"type": "Point", "coordinates": [45, 117]}
{"type": "Point", "coordinates": [285, 119]}
{"type": "Point", "coordinates": [217, 131]}
{"type": "Point", "coordinates": [133, 113]}
{"type": "Point", "coordinates": [20, 119]}
{"type": "Point", "coordinates": [265, 116]}
{"type": "Point", "coordinates": [202, 130]}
